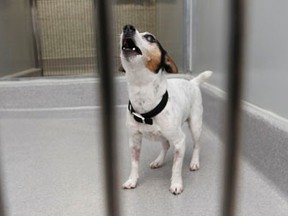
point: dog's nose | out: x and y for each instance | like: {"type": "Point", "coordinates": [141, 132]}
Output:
{"type": "Point", "coordinates": [129, 30]}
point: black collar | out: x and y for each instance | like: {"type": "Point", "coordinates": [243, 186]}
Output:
{"type": "Point", "coordinates": [146, 118]}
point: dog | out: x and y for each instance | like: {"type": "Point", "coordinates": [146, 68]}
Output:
{"type": "Point", "coordinates": [158, 106]}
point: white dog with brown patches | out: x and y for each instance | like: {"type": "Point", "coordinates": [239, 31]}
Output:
{"type": "Point", "coordinates": [159, 107]}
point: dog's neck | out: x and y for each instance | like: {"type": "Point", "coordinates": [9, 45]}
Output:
{"type": "Point", "coordinates": [145, 89]}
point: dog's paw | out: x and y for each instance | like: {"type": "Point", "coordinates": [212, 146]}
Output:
{"type": "Point", "coordinates": [156, 164]}
{"type": "Point", "coordinates": [130, 184]}
{"type": "Point", "coordinates": [176, 189]}
{"type": "Point", "coordinates": [194, 166]}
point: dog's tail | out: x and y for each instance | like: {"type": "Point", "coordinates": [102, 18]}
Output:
{"type": "Point", "coordinates": [203, 77]}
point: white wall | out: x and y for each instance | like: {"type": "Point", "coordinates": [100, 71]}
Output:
{"type": "Point", "coordinates": [266, 57]}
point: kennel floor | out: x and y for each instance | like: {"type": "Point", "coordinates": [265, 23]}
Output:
{"type": "Point", "coordinates": [52, 164]}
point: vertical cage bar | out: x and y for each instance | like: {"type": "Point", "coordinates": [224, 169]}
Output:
{"type": "Point", "coordinates": [2, 206]}
{"type": "Point", "coordinates": [105, 58]}
{"type": "Point", "coordinates": [36, 36]}
{"type": "Point", "coordinates": [235, 72]}
{"type": "Point", "coordinates": [188, 36]}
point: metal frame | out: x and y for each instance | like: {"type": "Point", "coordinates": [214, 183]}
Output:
{"type": "Point", "coordinates": [188, 21]}
{"type": "Point", "coordinates": [2, 203]}
{"type": "Point", "coordinates": [36, 36]}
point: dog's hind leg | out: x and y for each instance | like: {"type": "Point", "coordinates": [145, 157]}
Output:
{"type": "Point", "coordinates": [178, 140]}
{"type": "Point", "coordinates": [158, 162]}
{"type": "Point", "coordinates": [196, 132]}
{"type": "Point", "coordinates": [195, 125]}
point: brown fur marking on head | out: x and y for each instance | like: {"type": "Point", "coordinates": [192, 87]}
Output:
{"type": "Point", "coordinates": [153, 59]}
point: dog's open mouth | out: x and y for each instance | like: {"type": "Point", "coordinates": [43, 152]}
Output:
{"type": "Point", "coordinates": [129, 47]}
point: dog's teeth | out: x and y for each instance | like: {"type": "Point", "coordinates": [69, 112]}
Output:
{"type": "Point", "coordinates": [123, 48]}
{"type": "Point", "coordinates": [133, 48]}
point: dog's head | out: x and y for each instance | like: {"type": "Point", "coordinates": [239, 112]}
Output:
{"type": "Point", "coordinates": [140, 50]}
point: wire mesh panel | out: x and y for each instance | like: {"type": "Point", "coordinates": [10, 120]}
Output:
{"type": "Point", "coordinates": [67, 32]}
{"type": "Point", "coordinates": [66, 29]}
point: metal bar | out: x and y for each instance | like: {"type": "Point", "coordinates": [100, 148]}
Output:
{"type": "Point", "coordinates": [235, 71]}
{"type": "Point", "coordinates": [105, 65]}
{"type": "Point", "coordinates": [187, 10]}
{"type": "Point", "coordinates": [36, 36]}
{"type": "Point", "coordinates": [2, 203]}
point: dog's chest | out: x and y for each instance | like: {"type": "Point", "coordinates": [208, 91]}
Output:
{"type": "Point", "coordinates": [151, 132]}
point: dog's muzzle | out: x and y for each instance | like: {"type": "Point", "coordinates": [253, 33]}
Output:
{"type": "Point", "coordinates": [129, 47]}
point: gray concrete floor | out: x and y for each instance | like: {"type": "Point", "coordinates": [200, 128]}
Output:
{"type": "Point", "coordinates": [52, 165]}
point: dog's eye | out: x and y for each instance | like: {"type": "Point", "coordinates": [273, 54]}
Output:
{"type": "Point", "coordinates": [149, 38]}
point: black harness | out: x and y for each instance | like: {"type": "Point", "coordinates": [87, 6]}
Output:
{"type": "Point", "coordinates": [146, 118]}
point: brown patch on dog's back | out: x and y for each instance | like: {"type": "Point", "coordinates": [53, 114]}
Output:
{"type": "Point", "coordinates": [153, 59]}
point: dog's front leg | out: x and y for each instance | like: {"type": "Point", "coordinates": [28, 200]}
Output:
{"type": "Point", "coordinates": [135, 140]}
{"type": "Point", "coordinates": [176, 179]}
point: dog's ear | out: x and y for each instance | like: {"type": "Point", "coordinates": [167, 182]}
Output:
{"type": "Point", "coordinates": [170, 65]}
{"type": "Point", "coordinates": [121, 69]}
